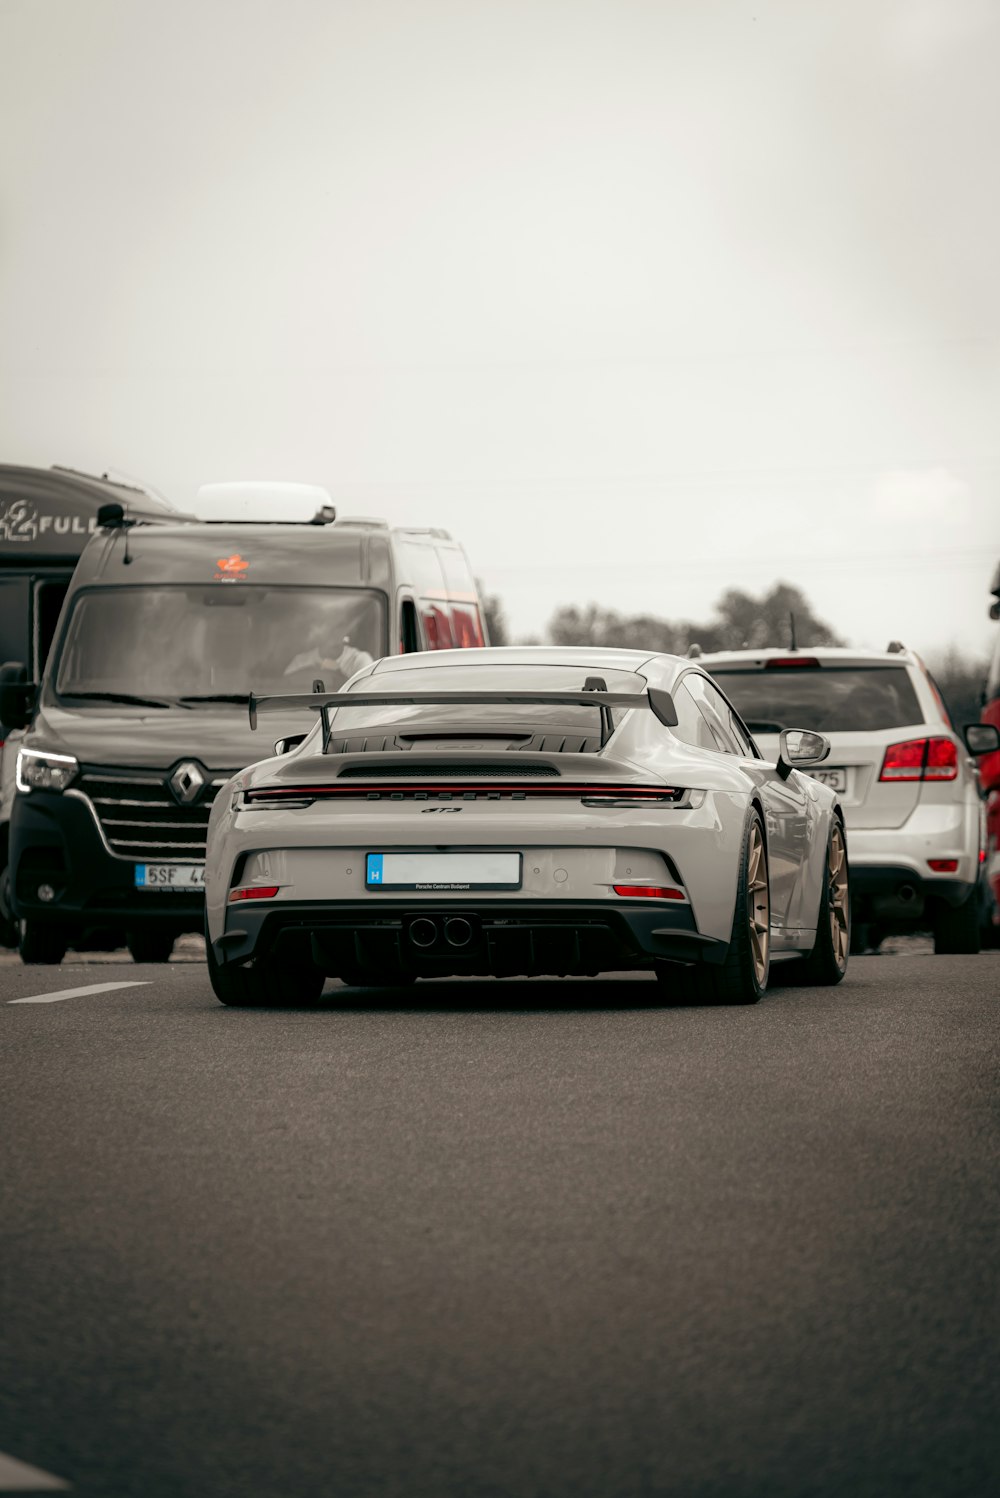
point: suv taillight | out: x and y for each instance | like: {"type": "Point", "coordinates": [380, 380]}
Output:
{"type": "Point", "coordinates": [921, 759]}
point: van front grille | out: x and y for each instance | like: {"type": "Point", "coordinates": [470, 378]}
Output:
{"type": "Point", "coordinates": [141, 818]}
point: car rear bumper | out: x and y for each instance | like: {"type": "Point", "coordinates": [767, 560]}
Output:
{"type": "Point", "coordinates": [502, 938]}
{"type": "Point", "coordinates": [953, 834]}
{"type": "Point", "coordinates": [55, 842]}
{"type": "Point", "coordinates": [899, 893]}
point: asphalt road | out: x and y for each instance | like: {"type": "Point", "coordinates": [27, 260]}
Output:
{"type": "Point", "coordinates": [529, 1239]}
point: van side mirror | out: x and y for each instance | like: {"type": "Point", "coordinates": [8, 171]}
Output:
{"type": "Point", "coordinates": [980, 738]}
{"type": "Point", "coordinates": [285, 746]}
{"type": "Point", "coordinates": [800, 749]}
{"type": "Point", "coordinates": [110, 516]}
{"type": "Point", "coordinates": [17, 695]}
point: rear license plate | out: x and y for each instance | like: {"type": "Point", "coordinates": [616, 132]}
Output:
{"type": "Point", "coordinates": [835, 779]}
{"type": "Point", "coordinates": [443, 871]}
{"type": "Point", "coordinates": [170, 876]}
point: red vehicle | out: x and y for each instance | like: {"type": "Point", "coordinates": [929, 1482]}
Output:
{"type": "Point", "coordinates": [989, 766]}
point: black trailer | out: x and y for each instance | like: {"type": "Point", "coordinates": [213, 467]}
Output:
{"type": "Point", "coordinates": [47, 516]}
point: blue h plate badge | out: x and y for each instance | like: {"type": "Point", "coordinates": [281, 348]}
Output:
{"type": "Point", "coordinates": [465, 869]}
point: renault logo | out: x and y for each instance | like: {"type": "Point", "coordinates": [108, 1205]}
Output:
{"type": "Point", "coordinates": [187, 782]}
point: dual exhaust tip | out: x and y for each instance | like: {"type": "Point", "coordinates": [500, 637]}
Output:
{"type": "Point", "coordinates": [425, 932]}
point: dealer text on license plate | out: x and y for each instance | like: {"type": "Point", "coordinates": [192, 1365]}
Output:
{"type": "Point", "coordinates": [443, 871]}
{"type": "Point", "coordinates": [170, 876]}
{"type": "Point", "coordinates": [835, 779]}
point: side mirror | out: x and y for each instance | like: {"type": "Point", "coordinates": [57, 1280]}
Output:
{"type": "Point", "coordinates": [980, 738]}
{"type": "Point", "coordinates": [110, 516]}
{"type": "Point", "coordinates": [285, 746]}
{"type": "Point", "coordinates": [17, 695]}
{"type": "Point", "coordinates": [800, 749]}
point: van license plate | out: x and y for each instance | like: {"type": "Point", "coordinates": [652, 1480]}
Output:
{"type": "Point", "coordinates": [170, 876]}
{"type": "Point", "coordinates": [835, 779]}
{"type": "Point", "coordinates": [443, 871]}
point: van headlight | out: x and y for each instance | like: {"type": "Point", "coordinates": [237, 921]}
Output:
{"type": "Point", "coordinates": [38, 771]}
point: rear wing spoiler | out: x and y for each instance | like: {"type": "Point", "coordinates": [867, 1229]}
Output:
{"type": "Point", "coordinates": [658, 701]}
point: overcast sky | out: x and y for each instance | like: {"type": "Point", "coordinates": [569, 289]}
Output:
{"type": "Point", "coordinates": [641, 298]}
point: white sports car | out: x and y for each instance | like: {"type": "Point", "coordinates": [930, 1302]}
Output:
{"type": "Point", "coordinates": [525, 811]}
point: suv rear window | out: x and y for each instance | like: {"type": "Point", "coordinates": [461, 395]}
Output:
{"type": "Point", "coordinates": [828, 699]}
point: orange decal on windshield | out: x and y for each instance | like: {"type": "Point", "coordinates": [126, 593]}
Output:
{"type": "Point", "coordinates": [231, 569]}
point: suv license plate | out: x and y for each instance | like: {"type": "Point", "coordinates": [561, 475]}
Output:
{"type": "Point", "coordinates": [835, 779]}
{"type": "Point", "coordinates": [170, 876]}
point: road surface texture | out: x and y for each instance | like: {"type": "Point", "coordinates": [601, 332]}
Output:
{"type": "Point", "coordinates": [529, 1239]}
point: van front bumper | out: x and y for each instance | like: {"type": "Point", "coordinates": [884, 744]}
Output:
{"type": "Point", "coordinates": [56, 846]}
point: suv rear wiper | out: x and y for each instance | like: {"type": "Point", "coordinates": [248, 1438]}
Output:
{"type": "Point", "coordinates": [127, 697]}
{"type": "Point", "coordinates": [242, 698]}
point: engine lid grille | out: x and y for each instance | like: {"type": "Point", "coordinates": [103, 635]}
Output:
{"type": "Point", "coordinates": [448, 771]}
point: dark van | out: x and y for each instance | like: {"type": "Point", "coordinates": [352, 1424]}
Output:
{"type": "Point", "coordinates": [142, 713]}
{"type": "Point", "coordinates": [47, 516]}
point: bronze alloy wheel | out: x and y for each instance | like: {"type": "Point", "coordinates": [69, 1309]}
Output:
{"type": "Point", "coordinates": [838, 895]}
{"type": "Point", "coordinates": [758, 903]}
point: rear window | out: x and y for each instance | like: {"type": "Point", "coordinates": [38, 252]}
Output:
{"type": "Point", "coordinates": [834, 699]}
{"type": "Point", "coordinates": [487, 720]}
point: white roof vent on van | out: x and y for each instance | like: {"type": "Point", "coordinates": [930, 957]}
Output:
{"type": "Point", "coordinates": [264, 502]}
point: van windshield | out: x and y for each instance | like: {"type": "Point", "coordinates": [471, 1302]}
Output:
{"type": "Point", "coordinates": [832, 699]}
{"type": "Point", "coordinates": [196, 642]}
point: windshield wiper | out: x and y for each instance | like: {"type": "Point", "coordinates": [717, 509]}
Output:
{"type": "Point", "coordinates": [127, 697]}
{"type": "Point", "coordinates": [761, 725]}
{"type": "Point", "coordinates": [240, 697]}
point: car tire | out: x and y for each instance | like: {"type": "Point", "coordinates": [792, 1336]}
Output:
{"type": "Point", "coordinates": [150, 946]}
{"type": "Point", "coordinates": [742, 978]}
{"type": "Point", "coordinates": [264, 983]}
{"type": "Point", "coordinates": [989, 934]}
{"type": "Point", "coordinates": [8, 925]}
{"type": "Point", "coordinates": [827, 962]}
{"type": "Point", "coordinates": [42, 944]}
{"type": "Point", "coordinates": [956, 929]}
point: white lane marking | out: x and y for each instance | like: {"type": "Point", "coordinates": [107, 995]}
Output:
{"type": "Point", "coordinates": [77, 993]}
{"type": "Point", "coordinates": [18, 1477]}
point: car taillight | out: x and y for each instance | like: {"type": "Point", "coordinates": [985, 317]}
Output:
{"type": "Point", "coordinates": [779, 662]}
{"type": "Point", "coordinates": [649, 892]}
{"type": "Point", "coordinates": [943, 865]}
{"type": "Point", "coordinates": [254, 892]}
{"type": "Point", "coordinates": [455, 790]}
{"type": "Point", "coordinates": [921, 759]}
{"type": "Point", "coordinates": [942, 760]}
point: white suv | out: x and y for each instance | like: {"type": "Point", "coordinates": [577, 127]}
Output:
{"type": "Point", "coordinates": [905, 777]}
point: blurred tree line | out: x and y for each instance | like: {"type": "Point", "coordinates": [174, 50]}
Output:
{"type": "Point", "coordinates": [740, 621]}
{"type": "Point", "coordinates": [961, 678]}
